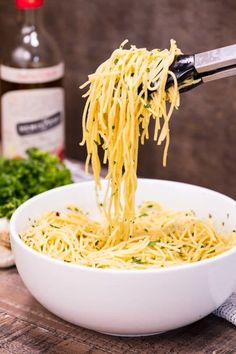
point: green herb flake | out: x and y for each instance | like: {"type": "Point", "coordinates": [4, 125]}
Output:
{"type": "Point", "coordinates": [153, 243]}
{"type": "Point", "coordinates": [55, 227]}
{"type": "Point", "coordinates": [137, 260]}
{"type": "Point", "coordinates": [148, 70]}
{"type": "Point", "coordinates": [116, 61]}
{"type": "Point", "coordinates": [147, 105]}
{"type": "Point", "coordinates": [143, 214]}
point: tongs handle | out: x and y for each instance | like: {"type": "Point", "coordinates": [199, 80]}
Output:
{"type": "Point", "coordinates": [216, 64]}
{"type": "Point", "coordinates": [215, 59]}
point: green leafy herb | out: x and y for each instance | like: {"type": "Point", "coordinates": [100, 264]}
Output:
{"type": "Point", "coordinates": [55, 227]}
{"type": "Point", "coordinates": [137, 260]}
{"type": "Point", "coordinates": [147, 105]}
{"type": "Point", "coordinates": [153, 243]}
{"type": "Point", "coordinates": [23, 178]}
{"type": "Point", "coordinates": [116, 61]}
{"type": "Point", "coordinates": [148, 70]}
{"type": "Point", "coordinates": [143, 214]}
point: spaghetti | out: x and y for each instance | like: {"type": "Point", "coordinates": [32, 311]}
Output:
{"type": "Point", "coordinates": [125, 93]}
{"type": "Point", "coordinates": [161, 238]}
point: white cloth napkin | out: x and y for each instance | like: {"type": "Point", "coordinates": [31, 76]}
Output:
{"type": "Point", "coordinates": [226, 311]}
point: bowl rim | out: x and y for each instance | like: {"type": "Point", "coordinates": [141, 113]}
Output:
{"type": "Point", "coordinates": [15, 236]}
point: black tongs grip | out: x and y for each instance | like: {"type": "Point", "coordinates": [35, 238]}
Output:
{"type": "Point", "coordinates": [203, 67]}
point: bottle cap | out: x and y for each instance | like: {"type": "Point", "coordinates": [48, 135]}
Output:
{"type": "Point", "coordinates": [28, 4]}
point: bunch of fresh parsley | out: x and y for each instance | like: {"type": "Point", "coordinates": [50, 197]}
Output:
{"type": "Point", "coordinates": [23, 178]}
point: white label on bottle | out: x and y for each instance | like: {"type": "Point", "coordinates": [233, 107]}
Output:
{"type": "Point", "coordinates": [32, 76]}
{"type": "Point", "coordinates": [33, 118]}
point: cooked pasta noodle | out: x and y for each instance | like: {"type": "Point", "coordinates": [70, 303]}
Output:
{"type": "Point", "coordinates": [116, 117]}
{"type": "Point", "coordinates": [161, 238]}
{"type": "Point", "coordinates": [125, 93]}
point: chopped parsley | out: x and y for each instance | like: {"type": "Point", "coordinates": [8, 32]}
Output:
{"type": "Point", "coordinates": [153, 243]}
{"type": "Point", "coordinates": [137, 260]}
{"type": "Point", "coordinates": [55, 227]}
{"type": "Point", "coordinates": [143, 214]}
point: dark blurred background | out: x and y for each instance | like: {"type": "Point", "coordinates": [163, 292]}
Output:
{"type": "Point", "coordinates": [203, 131]}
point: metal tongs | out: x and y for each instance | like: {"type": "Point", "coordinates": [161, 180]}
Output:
{"type": "Point", "coordinates": [203, 67]}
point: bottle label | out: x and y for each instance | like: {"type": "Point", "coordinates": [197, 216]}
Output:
{"type": "Point", "coordinates": [33, 118]}
{"type": "Point", "coordinates": [32, 76]}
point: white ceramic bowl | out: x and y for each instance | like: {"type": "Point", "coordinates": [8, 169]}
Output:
{"type": "Point", "coordinates": [128, 302]}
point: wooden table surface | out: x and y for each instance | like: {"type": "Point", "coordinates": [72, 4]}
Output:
{"type": "Point", "coordinates": [27, 328]}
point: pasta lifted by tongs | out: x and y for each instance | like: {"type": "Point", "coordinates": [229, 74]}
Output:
{"type": "Point", "coordinates": [195, 69]}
